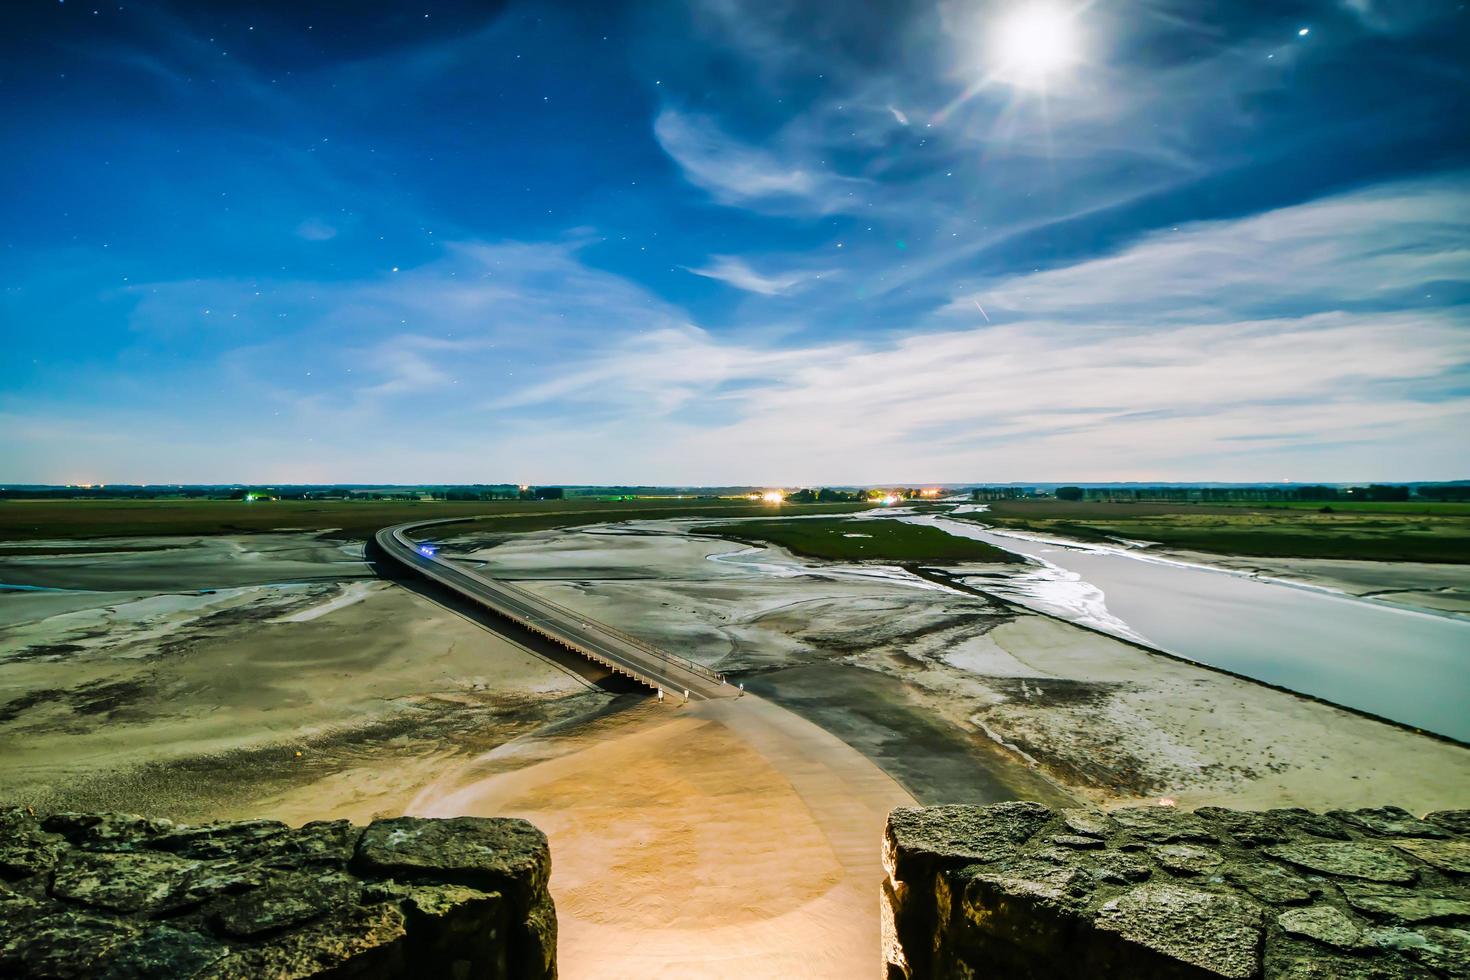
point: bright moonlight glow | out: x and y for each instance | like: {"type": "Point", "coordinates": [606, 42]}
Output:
{"type": "Point", "coordinates": [1033, 42]}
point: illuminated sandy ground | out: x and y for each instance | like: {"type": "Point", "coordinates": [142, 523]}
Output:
{"type": "Point", "coordinates": [727, 839]}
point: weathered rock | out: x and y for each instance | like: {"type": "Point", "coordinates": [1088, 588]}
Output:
{"type": "Point", "coordinates": [161, 951]}
{"type": "Point", "coordinates": [254, 898]}
{"type": "Point", "coordinates": [1299, 821]}
{"type": "Point", "coordinates": [958, 834]}
{"type": "Point", "coordinates": [61, 944]}
{"type": "Point", "coordinates": [484, 853]}
{"type": "Point", "coordinates": [1270, 883]}
{"type": "Point", "coordinates": [1187, 859]}
{"type": "Point", "coordinates": [1405, 905]}
{"type": "Point", "coordinates": [1248, 827]}
{"type": "Point", "coordinates": [1118, 868]}
{"type": "Point", "coordinates": [1163, 825]}
{"type": "Point", "coordinates": [1387, 821]}
{"type": "Point", "coordinates": [370, 941]}
{"type": "Point", "coordinates": [282, 902]}
{"type": "Point", "coordinates": [1307, 960]}
{"type": "Point", "coordinates": [24, 855]}
{"type": "Point", "coordinates": [1079, 842]}
{"type": "Point", "coordinates": [1455, 821]}
{"type": "Point", "coordinates": [122, 882]}
{"type": "Point", "coordinates": [1156, 893]}
{"type": "Point", "coordinates": [105, 831]}
{"type": "Point", "coordinates": [1087, 823]}
{"type": "Point", "coordinates": [1219, 933]}
{"type": "Point", "coordinates": [1322, 923]}
{"type": "Point", "coordinates": [1446, 950]}
{"type": "Point", "coordinates": [1346, 860]}
{"type": "Point", "coordinates": [1043, 883]}
{"type": "Point", "coordinates": [231, 838]}
{"type": "Point", "coordinates": [1453, 856]}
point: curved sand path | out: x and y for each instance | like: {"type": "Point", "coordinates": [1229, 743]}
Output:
{"type": "Point", "coordinates": [715, 839]}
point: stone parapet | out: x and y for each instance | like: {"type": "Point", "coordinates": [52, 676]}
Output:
{"type": "Point", "coordinates": [115, 895]}
{"type": "Point", "coordinates": [1017, 890]}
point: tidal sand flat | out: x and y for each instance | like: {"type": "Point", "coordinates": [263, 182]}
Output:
{"type": "Point", "coordinates": [1436, 587]}
{"type": "Point", "coordinates": [728, 839]}
{"type": "Point", "coordinates": [1043, 700]}
{"type": "Point", "coordinates": [195, 704]}
{"type": "Point", "coordinates": [725, 839]}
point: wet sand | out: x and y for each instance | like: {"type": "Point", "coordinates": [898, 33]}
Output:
{"type": "Point", "coordinates": [721, 839]}
{"type": "Point", "coordinates": [1442, 588]}
{"type": "Point", "coordinates": [197, 704]}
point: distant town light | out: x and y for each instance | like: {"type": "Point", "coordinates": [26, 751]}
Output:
{"type": "Point", "coordinates": [773, 496]}
{"type": "Point", "coordinates": [889, 500]}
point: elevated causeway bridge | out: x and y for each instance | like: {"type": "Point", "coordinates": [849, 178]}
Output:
{"type": "Point", "coordinates": [603, 644]}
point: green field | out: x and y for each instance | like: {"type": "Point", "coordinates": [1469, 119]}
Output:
{"type": "Point", "coordinates": [1365, 507]}
{"type": "Point", "coordinates": [1412, 531]}
{"type": "Point", "coordinates": [32, 520]}
{"type": "Point", "coordinates": [848, 540]}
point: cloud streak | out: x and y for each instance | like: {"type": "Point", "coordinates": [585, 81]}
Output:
{"type": "Point", "coordinates": [736, 173]}
{"type": "Point", "coordinates": [735, 271]}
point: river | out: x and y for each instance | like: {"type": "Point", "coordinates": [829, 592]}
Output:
{"type": "Point", "coordinates": [1412, 667]}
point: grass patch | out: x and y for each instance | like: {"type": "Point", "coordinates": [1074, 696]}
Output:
{"type": "Point", "coordinates": [1415, 531]}
{"type": "Point", "coordinates": [848, 540]}
{"type": "Point", "coordinates": [31, 520]}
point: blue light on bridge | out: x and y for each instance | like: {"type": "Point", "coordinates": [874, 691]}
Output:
{"type": "Point", "coordinates": [428, 550]}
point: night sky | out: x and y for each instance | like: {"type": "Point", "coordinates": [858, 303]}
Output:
{"type": "Point", "coordinates": [716, 242]}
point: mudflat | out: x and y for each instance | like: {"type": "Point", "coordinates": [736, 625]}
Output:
{"type": "Point", "coordinates": [922, 677]}
{"type": "Point", "coordinates": [729, 839]}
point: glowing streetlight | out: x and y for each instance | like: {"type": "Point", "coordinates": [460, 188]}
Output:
{"type": "Point", "coordinates": [773, 496]}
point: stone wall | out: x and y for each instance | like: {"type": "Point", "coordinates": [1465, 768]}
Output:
{"type": "Point", "coordinates": [112, 895]}
{"type": "Point", "coordinates": [1017, 890]}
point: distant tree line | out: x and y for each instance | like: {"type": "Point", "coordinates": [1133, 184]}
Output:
{"type": "Point", "coordinates": [823, 496]}
{"type": "Point", "coordinates": [1376, 492]}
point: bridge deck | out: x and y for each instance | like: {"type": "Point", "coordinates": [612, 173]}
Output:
{"type": "Point", "coordinates": [597, 641]}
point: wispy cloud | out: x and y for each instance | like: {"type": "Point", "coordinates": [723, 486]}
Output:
{"type": "Point", "coordinates": [735, 271]}
{"type": "Point", "coordinates": [315, 230]}
{"type": "Point", "coordinates": [1393, 244]}
{"type": "Point", "coordinates": [737, 173]}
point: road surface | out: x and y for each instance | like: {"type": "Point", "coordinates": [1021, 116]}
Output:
{"type": "Point", "coordinates": [645, 663]}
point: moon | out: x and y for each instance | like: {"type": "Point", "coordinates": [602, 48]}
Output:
{"type": "Point", "coordinates": [1034, 41]}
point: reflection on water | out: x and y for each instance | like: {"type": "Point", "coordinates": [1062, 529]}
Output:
{"type": "Point", "coordinates": [1399, 663]}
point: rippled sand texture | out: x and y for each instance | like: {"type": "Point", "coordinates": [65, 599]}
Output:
{"type": "Point", "coordinates": [727, 839]}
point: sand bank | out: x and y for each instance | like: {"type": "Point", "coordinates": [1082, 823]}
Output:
{"type": "Point", "coordinates": [728, 839]}
{"type": "Point", "coordinates": [197, 704]}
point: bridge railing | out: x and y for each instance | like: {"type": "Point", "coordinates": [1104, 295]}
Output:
{"type": "Point", "coordinates": [691, 665]}
{"type": "Point", "coordinates": [399, 533]}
